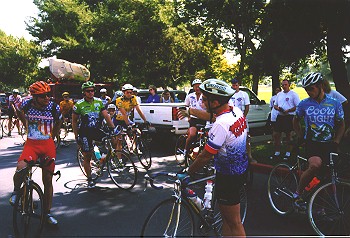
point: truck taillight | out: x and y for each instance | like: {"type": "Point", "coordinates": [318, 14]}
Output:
{"type": "Point", "coordinates": [175, 110]}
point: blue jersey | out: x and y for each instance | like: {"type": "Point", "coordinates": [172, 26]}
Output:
{"type": "Point", "coordinates": [320, 118]}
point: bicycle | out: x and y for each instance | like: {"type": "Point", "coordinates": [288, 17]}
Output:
{"type": "Point", "coordinates": [5, 128]}
{"type": "Point", "coordinates": [195, 148]}
{"type": "Point", "coordinates": [133, 143]}
{"type": "Point", "coordinates": [174, 216]}
{"type": "Point", "coordinates": [121, 169]}
{"type": "Point", "coordinates": [28, 209]}
{"type": "Point", "coordinates": [328, 203]}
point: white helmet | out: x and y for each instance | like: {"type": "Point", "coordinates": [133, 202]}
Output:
{"type": "Point", "coordinates": [103, 90]}
{"type": "Point", "coordinates": [311, 79]}
{"type": "Point", "coordinates": [127, 87]}
{"type": "Point", "coordinates": [111, 106]}
{"type": "Point", "coordinates": [196, 81]}
{"type": "Point", "coordinates": [15, 90]}
{"type": "Point", "coordinates": [216, 87]}
{"type": "Point", "coordinates": [135, 89]}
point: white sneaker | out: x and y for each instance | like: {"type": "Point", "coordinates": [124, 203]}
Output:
{"type": "Point", "coordinates": [51, 220]}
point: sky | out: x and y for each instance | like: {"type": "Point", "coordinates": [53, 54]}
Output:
{"type": "Point", "coordinates": [13, 14]}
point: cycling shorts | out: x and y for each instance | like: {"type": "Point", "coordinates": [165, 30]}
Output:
{"type": "Point", "coordinates": [195, 121]}
{"type": "Point", "coordinates": [120, 123]}
{"type": "Point", "coordinates": [34, 149]}
{"type": "Point", "coordinates": [320, 149]}
{"type": "Point", "coordinates": [284, 124]}
{"type": "Point", "coordinates": [12, 112]}
{"type": "Point", "coordinates": [87, 135]}
{"type": "Point", "coordinates": [227, 188]}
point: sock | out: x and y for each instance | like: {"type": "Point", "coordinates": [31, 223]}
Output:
{"type": "Point", "coordinates": [287, 153]}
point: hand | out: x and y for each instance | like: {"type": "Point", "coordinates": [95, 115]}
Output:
{"type": "Point", "coordinates": [183, 177]}
{"type": "Point", "coordinates": [182, 113]}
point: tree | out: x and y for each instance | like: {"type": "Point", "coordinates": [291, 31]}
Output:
{"type": "Point", "coordinates": [18, 61]}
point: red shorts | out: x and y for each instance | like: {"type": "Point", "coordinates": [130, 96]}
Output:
{"type": "Point", "coordinates": [34, 149]}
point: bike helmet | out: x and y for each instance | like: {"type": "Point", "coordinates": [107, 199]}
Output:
{"type": "Point", "coordinates": [15, 91]}
{"type": "Point", "coordinates": [119, 93]}
{"type": "Point", "coordinates": [311, 79]}
{"type": "Point", "coordinates": [216, 87]}
{"type": "Point", "coordinates": [135, 90]}
{"type": "Point", "coordinates": [196, 81]}
{"type": "Point", "coordinates": [127, 87]}
{"type": "Point", "coordinates": [112, 106]}
{"type": "Point", "coordinates": [65, 94]}
{"type": "Point", "coordinates": [39, 87]}
{"type": "Point", "coordinates": [103, 90]}
{"type": "Point", "coordinates": [87, 84]}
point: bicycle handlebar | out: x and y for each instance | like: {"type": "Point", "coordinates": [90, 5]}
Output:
{"type": "Point", "coordinates": [152, 177]}
{"type": "Point", "coordinates": [41, 163]}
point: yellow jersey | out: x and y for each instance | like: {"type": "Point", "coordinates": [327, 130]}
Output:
{"type": "Point", "coordinates": [127, 104]}
{"type": "Point", "coordinates": [66, 106]}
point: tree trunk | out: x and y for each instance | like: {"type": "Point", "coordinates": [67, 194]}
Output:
{"type": "Point", "coordinates": [335, 58]}
{"type": "Point", "coordinates": [275, 79]}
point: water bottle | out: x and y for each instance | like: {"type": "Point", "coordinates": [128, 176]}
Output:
{"type": "Point", "coordinates": [195, 199]}
{"type": "Point", "coordinates": [312, 184]}
{"type": "Point", "coordinates": [208, 194]}
{"type": "Point", "coordinates": [97, 152]}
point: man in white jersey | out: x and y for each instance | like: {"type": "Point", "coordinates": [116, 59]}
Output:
{"type": "Point", "coordinates": [241, 100]}
{"type": "Point", "coordinates": [227, 143]}
{"type": "Point", "coordinates": [286, 103]}
{"type": "Point", "coordinates": [194, 100]}
{"type": "Point", "coordinates": [15, 101]}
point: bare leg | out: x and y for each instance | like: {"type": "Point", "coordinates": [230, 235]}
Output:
{"type": "Point", "coordinates": [48, 190]}
{"type": "Point", "coordinates": [232, 225]}
{"type": "Point", "coordinates": [315, 163]}
{"type": "Point", "coordinates": [87, 165]}
{"type": "Point", "coordinates": [192, 134]}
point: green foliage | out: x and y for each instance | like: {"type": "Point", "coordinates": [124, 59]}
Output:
{"type": "Point", "coordinates": [18, 61]}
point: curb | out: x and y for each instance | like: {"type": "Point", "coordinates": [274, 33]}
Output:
{"type": "Point", "coordinates": [261, 168]}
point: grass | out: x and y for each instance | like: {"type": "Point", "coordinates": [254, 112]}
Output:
{"type": "Point", "coordinates": [264, 93]}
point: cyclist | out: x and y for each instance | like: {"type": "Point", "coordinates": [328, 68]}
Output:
{"type": "Point", "coordinates": [43, 118]}
{"type": "Point", "coordinates": [324, 128]}
{"type": "Point", "coordinates": [14, 103]}
{"type": "Point", "coordinates": [194, 100]}
{"type": "Point", "coordinates": [227, 143]}
{"type": "Point", "coordinates": [126, 104]}
{"type": "Point", "coordinates": [104, 97]}
{"type": "Point", "coordinates": [66, 107]}
{"type": "Point", "coordinates": [90, 111]}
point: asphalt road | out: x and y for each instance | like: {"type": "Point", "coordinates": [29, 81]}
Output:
{"type": "Point", "coordinates": [110, 211]}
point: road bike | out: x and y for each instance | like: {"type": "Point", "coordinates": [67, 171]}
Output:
{"type": "Point", "coordinates": [5, 126]}
{"type": "Point", "coordinates": [121, 169]}
{"type": "Point", "coordinates": [134, 143]}
{"type": "Point", "coordinates": [28, 209]}
{"type": "Point", "coordinates": [174, 217]}
{"type": "Point", "coordinates": [327, 204]}
{"type": "Point", "coordinates": [196, 147]}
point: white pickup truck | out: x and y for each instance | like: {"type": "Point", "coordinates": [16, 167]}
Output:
{"type": "Point", "coordinates": [163, 116]}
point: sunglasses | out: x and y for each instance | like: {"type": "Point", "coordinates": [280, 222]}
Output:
{"type": "Point", "coordinates": [90, 91]}
{"type": "Point", "coordinates": [43, 95]}
{"type": "Point", "coordinates": [128, 92]}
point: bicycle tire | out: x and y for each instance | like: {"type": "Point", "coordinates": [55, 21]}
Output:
{"type": "Point", "coordinates": [144, 157]}
{"type": "Point", "coordinates": [28, 212]}
{"type": "Point", "coordinates": [157, 224]}
{"type": "Point", "coordinates": [123, 171]}
{"type": "Point", "coordinates": [5, 127]}
{"type": "Point", "coordinates": [326, 218]}
{"type": "Point", "coordinates": [281, 185]}
{"type": "Point", "coordinates": [179, 151]}
{"type": "Point", "coordinates": [95, 170]}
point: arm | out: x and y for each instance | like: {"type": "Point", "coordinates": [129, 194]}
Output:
{"type": "Point", "coordinates": [125, 115]}
{"type": "Point", "coordinates": [297, 127]}
{"type": "Point", "coordinates": [140, 113]}
{"type": "Point", "coordinates": [203, 158]}
{"type": "Point", "coordinates": [107, 118]}
{"type": "Point", "coordinates": [75, 118]}
{"type": "Point", "coordinates": [340, 128]}
{"type": "Point", "coordinates": [246, 110]}
{"type": "Point", "coordinates": [56, 128]}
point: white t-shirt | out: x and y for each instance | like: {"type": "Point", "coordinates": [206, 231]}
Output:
{"type": "Point", "coordinates": [287, 101]}
{"type": "Point", "coordinates": [337, 95]}
{"type": "Point", "coordinates": [192, 102]}
{"type": "Point", "coordinates": [240, 99]}
{"type": "Point", "coordinates": [274, 112]}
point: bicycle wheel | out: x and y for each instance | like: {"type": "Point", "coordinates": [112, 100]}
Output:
{"type": "Point", "coordinates": [123, 171]}
{"type": "Point", "coordinates": [28, 212]}
{"type": "Point", "coordinates": [179, 151]}
{"type": "Point", "coordinates": [95, 170]}
{"type": "Point", "coordinates": [5, 126]}
{"type": "Point", "coordinates": [281, 185]}
{"type": "Point", "coordinates": [329, 209]}
{"type": "Point", "coordinates": [143, 153]}
{"type": "Point", "coordinates": [170, 218]}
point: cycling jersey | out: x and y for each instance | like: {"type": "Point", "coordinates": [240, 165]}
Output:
{"type": "Point", "coordinates": [90, 112]}
{"type": "Point", "coordinates": [127, 104]}
{"type": "Point", "coordinates": [40, 121]}
{"type": "Point", "coordinates": [227, 141]}
{"type": "Point", "coordinates": [15, 100]}
{"type": "Point", "coordinates": [192, 102]}
{"type": "Point", "coordinates": [106, 100]}
{"type": "Point", "coordinates": [320, 118]}
{"type": "Point", "coordinates": [66, 106]}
